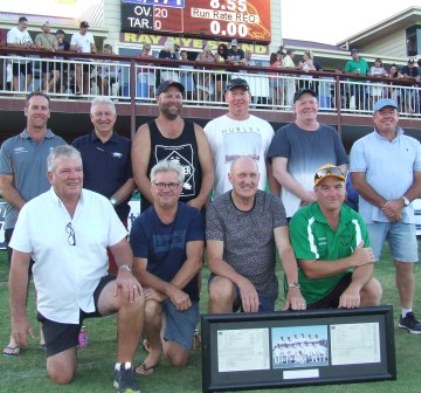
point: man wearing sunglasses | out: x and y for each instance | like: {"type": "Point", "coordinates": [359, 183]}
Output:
{"type": "Point", "coordinates": [330, 241]}
{"type": "Point", "coordinates": [386, 171]}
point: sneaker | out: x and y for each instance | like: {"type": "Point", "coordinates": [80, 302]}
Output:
{"type": "Point", "coordinates": [123, 381]}
{"type": "Point", "coordinates": [410, 323]}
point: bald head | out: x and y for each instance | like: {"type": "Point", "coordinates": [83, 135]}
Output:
{"type": "Point", "coordinates": [244, 162]}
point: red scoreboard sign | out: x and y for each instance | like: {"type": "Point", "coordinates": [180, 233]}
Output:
{"type": "Point", "coordinates": [246, 20]}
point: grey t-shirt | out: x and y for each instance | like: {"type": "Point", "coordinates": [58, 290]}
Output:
{"type": "Point", "coordinates": [26, 161]}
{"type": "Point", "coordinates": [249, 244]}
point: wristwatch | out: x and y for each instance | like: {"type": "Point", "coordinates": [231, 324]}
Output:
{"type": "Point", "coordinates": [113, 201]}
{"type": "Point", "coordinates": [406, 201]}
{"type": "Point", "coordinates": [294, 285]}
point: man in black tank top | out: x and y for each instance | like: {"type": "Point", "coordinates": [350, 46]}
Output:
{"type": "Point", "coordinates": [170, 137]}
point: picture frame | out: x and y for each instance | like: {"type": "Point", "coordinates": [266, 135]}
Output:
{"type": "Point", "coordinates": [296, 348]}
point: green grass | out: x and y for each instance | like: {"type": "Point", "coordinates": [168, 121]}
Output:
{"type": "Point", "coordinates": [26, 373]}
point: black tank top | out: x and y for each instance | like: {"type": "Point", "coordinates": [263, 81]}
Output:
{"type": "Point", "coordinates": [185, 150]}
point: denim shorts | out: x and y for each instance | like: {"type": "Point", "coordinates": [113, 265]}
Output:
{"type": "Point", "coordinates": [401, 237]}
{"type": "Point", "coordinates": [180, 325]}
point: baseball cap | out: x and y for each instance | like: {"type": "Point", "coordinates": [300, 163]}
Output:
{"type": "Point", "coordinates": [60, 31]}
{"type": "Point", "coordinates": [167, 84]}
{"type": "Point", "coordinates": [412, 61]}
{"type": "Point", "coordinates": [237, 82]}
{"type": "Point", "coordinates": [234, 42]}
{"type": "Point", "coordinates": [354, 51]}
{"type": "Point", "coordinates": [379, 105]}
{"type": "Point", "coordinates": [300, 92]}
{"type": "Point", "coordinates": [84, 24]}
{"type": "Point", "coordinates": [328, 170]}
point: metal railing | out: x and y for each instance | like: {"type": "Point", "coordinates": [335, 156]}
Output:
{"type": "Point", "coordinates": [127, 79]}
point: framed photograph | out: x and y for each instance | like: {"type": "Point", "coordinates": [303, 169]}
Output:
{"type": "Point", "coordinates": [250, 351]}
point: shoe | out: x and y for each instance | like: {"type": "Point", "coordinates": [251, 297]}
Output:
{"type": "Point", "coordinates": [410, 323]}
{"type": "Point", "coordinates": [123, 381]}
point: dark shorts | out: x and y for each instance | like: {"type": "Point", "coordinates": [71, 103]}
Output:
{"type": "Point", "coordinates": [62, 336]}
{"type": "Point", "coordinates": [22, 68]}
{"type": "Point", "coordinates": [332, 299]}
{"type": "Point", "coordinates": [266, 303]}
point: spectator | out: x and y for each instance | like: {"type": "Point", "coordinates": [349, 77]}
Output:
{"type": "Point", "coordinates": [410, 73]}
{"type": "Point", "coordinates": [19, 37]}
{"type": "Point", "coordinates": [331, 244]}
{"type": "Point", "coordinates": [204, 81]}
{"type": "Point", "coordinates": [83, 42]}
{"type": "Point", "coordinates": [168, 242]}
{"type": "Point", "coordinates": [299, 148]}
{"type": "Point", "coordinates": [48, 42]}
{"type": "Point", "coordinates": [243, 272]}
{"type": "Point", "coordinates": [394, 93]}
{"type": "Point", "coordinates": [186, 77]}
{"type": "Point", "coordinates": [64, 70]}
{"type": "Point", "coordinates": [22, 176]}
{"type": "Point", "coordinates": [357, 66]}
{"type": "Point", "coordinates": [235, 54]}
{"type": "Point", "coordinates": [70, 271]}
{"type": "Point", "coordinates": [106, 157]}
{"type": "Point", "coordinates": [168, 52]}
{"type": "Point", "coordinates": [377, 70]}
{"type": "Point", "coordinates": [248, 61]}
{"type": "Point", "coordinates": [276, 82]}
{"type": "Point", "coordinates": [386, 171]}
{"type": "Point", "coordinates": [108, 73]}
{"type": "Point", "coordinates": [290, 85]}
{"type": "Point", "coordinates": [307, 64]}
{"type": "Point", "coordinates": [221, 57]}
{"type": "Point", "coordinates": [170, 137]}
{"type": "Point", "coordinates": [239, 133]}
{"type": "Point", "coordinates": [145, 74]}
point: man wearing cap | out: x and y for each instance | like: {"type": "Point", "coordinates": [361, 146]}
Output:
{"type": "Point", "coordinates": [239, 133]}
{"type": "Point", "coordinates": [83, 42]}
{"type": "Point", "coordinates": [358, 66]}
{"type": "Point", "coordinates": [299, 148]}
{"type": "Point", "coordinates": [410, 74]}
{"type": "Point", "coordinates": [170, 137]}
{"type": "Point", "coordinates": [386, 171]}
{"type": "Point", "coordinates": [331, 244]}
{"type": "Point", "coordinates": [235, 54]}
{"type": "Point", "coordinates": [244, 228]}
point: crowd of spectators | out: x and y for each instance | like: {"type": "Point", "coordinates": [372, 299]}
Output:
{"type": "Point", "coordinates": [203, 74]}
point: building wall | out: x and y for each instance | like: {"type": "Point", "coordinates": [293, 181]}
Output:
{"type": "Point", "coordinates": [392, 45]}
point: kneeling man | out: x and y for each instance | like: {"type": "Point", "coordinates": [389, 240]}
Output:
{"type": "Point", "coordinates": [331, 244]}
{"type": "Point", "coordinates": [67, 231]}
{"type": "Point", "coordinates": [168, 241]}
{"type": "Point", "coordinates": [244, 227]}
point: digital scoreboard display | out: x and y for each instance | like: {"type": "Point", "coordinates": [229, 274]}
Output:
{"type": "Point", "coordinates": [246, 20]}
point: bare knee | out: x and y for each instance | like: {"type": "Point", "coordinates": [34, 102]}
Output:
{"type": "Point", "coordinates": [153, 310]}
{"type": "Point", "coordinates": [221, 294]}
{"type": "Point", "coordinates": [61, 371]}
{"type": "Point", "coordinates": [177, 355]}
{"type": "Point", "coordinates": [372, 293]}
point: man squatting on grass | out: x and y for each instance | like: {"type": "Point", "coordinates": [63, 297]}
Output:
{"type": "Point", "coordinates": [67, 230]}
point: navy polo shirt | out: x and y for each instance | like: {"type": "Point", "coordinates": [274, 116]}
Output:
{"type": "Point", "coordinates": [106, 166]}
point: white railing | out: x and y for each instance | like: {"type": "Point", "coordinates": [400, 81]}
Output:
{"type": "Point", "coordinates": [84, 79]}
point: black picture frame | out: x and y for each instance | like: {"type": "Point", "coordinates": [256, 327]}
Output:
{"type": "Point", "coordinates": [313, 347]}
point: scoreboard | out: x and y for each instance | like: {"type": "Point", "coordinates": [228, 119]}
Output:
{"type": "Point", "coordinates": [246, 20]}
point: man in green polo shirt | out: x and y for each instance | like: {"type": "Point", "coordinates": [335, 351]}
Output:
{"type": "Point", "coordinates": [330, 241]}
